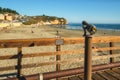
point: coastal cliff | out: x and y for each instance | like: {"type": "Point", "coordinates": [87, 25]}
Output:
{"type": "Point", "coordinates": [46, 20]}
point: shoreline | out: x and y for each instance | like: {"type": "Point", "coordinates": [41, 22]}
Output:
{"type": "Point", "coordinates": [79, 33]}
{"type": "Point", "coordinates": [49, 32]}
{"type": "Point", "coordinates": [98, 26]}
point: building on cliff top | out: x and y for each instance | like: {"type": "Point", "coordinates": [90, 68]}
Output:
{"type": "Point", "coordinates": [2, 17]}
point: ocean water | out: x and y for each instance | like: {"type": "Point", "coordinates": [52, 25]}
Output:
{"type": "Point", "coordinates": [98, 26]}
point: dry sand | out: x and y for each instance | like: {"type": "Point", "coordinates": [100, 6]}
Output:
{"type": "Point", "coordinates": [48, 31]}
{"type": "Point", "coordinates": [25, 32]}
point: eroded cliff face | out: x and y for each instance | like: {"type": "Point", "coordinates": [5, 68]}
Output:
{"type": "Point", "coordinates": [57, 22]}
{"type": "Point", "coordinates": [47, 20]}
{"type": "Point", "coordinates": [54, 22]}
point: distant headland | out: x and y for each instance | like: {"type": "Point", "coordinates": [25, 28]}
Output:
{"type": "Point", "coordinates": [46, 20]}
{"type": "Point", "coordinates": [12, 16]}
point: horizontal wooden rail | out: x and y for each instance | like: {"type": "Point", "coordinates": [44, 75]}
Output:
{"type": "Point", "coordinates": [106, 39]}
{"type": "Point", "coordinates": [28, 55]}
{"type": "Point", "coordinates": [51, 41]}
{"type": "Point", "coordinates": [57, 62]}
{"type": "Point", "coordinates": [37, 42]}
{"type": "Point", "coordinates": [42, 64]}
{"type": "Point", "coordinates": [105, 56]}
{"type": "Point", "coordinates": [106, 49]}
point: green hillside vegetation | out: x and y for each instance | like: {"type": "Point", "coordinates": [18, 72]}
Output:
{"type": "Point", "coordinates": [7, 10]}
{"type": "Point", "coordinates": [44, 18]}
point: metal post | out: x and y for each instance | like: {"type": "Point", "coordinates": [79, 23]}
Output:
{"type": "Point", "coordinates": [88, 58]}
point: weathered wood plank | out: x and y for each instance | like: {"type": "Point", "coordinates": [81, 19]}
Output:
{"type": "Point", "coordinates": [31, 65]}
{"type": "Point", "coordinates": [95, 76]}
{"type": "Point", "coordinates": [98, 76]}
{"type": "Point", "coordinates": [117, 70]}
{"type": "Point", "coordinates": [51, 41]}
{"type": "Point", "coordinates": [64, 78]}
{"type": "Point", "coordinates": [106, 49]}
{"type": "Point", "coordinates": [101, 75]}
{"type": "Point", "coordinates": [16, 44]}
{"type": "Point", "coordinates": [81, 76]}
{"type": "Point", "coordinates": [26, 66]}
{"type": "Point", "coordinates": [28, 55]}
{"type": "Point", "coordinates": [26, 42]}
{"type": "Point", "coordinates": [106, 39]}
{"type": "Point", "coordinates": [8, 57]}
{"type": "Point", "coordinates": [73, 40]}
{"type": "Point", "coordinates": [51, 63]}
{"type": "Point", "coordinates": [105, 56]}
{"type": "Point", "coordinates": [7, 68]}
{"type": "Point", "coordinates": [112, 73]}
{"type": "Point", "coordinates": [37, 42]}
{"type": "Point", "coordinates": [43, 64]}
{"type": "Point", "coordinates": [106, 76]}
{"type": "Point", "coordinates": [74, 78]}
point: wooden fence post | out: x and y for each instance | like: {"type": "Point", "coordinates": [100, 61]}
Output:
{"type": "Point", "coordinates": [88, 58]}
{"type": "Point", "coordinates": [58, 57]}
{"type": "Point", "coordinates": [19, 67]}
{"type": "Point", "coordinates": [111, 52]}
{"type": "Point", "coordinates": [58, 48]}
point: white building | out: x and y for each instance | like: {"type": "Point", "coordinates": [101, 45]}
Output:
{"type": "Point", "coordinates": [2, 17]}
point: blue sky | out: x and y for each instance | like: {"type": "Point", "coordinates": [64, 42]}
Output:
{"type": "Point", "coordinates": [93, 11]}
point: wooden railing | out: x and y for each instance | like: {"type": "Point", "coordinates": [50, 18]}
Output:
{"type": "Point", "coordinates": [20, 43]}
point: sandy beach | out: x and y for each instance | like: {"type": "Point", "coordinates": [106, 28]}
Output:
{"type": "Point", "coordinates": [48, 32]}
{"type": "Point", "coordinates": [26, 32]}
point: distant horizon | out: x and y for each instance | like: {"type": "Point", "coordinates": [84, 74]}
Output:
{"type": "Point", "coordinates": [78, 22]}
{"type": "Point", "coordinates": [90, 23]}
{"type": "Point", "coordinates": [93, 11]}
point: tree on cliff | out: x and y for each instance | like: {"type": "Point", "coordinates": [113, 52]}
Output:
{"type": "Point", "coordinates": [7, 10]}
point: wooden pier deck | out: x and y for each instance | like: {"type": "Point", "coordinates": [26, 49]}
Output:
{"type": "Point", "coordinates": [91, 71]}
{"type": "Point", "coordinates": [113, 74]}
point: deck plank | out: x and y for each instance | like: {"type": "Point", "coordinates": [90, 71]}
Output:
{"type": "Point", "coordinates": [95, 76]}
{"type": "Point", "coordinates": [81, 76]}
{"type": "Point", "coordinates": [74, 78]}
{"type": "Point", "coordinates": [63, 78]}
{"type": "Point", "coordinates": [114, 74]}
{"type": "Point", "coordinates": [106, 76]}
{"type": "Point", "coordinates": [117, 70]}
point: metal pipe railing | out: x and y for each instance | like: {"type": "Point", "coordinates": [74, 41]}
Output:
{"type": "Point", "coordinates": [63, 73]}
